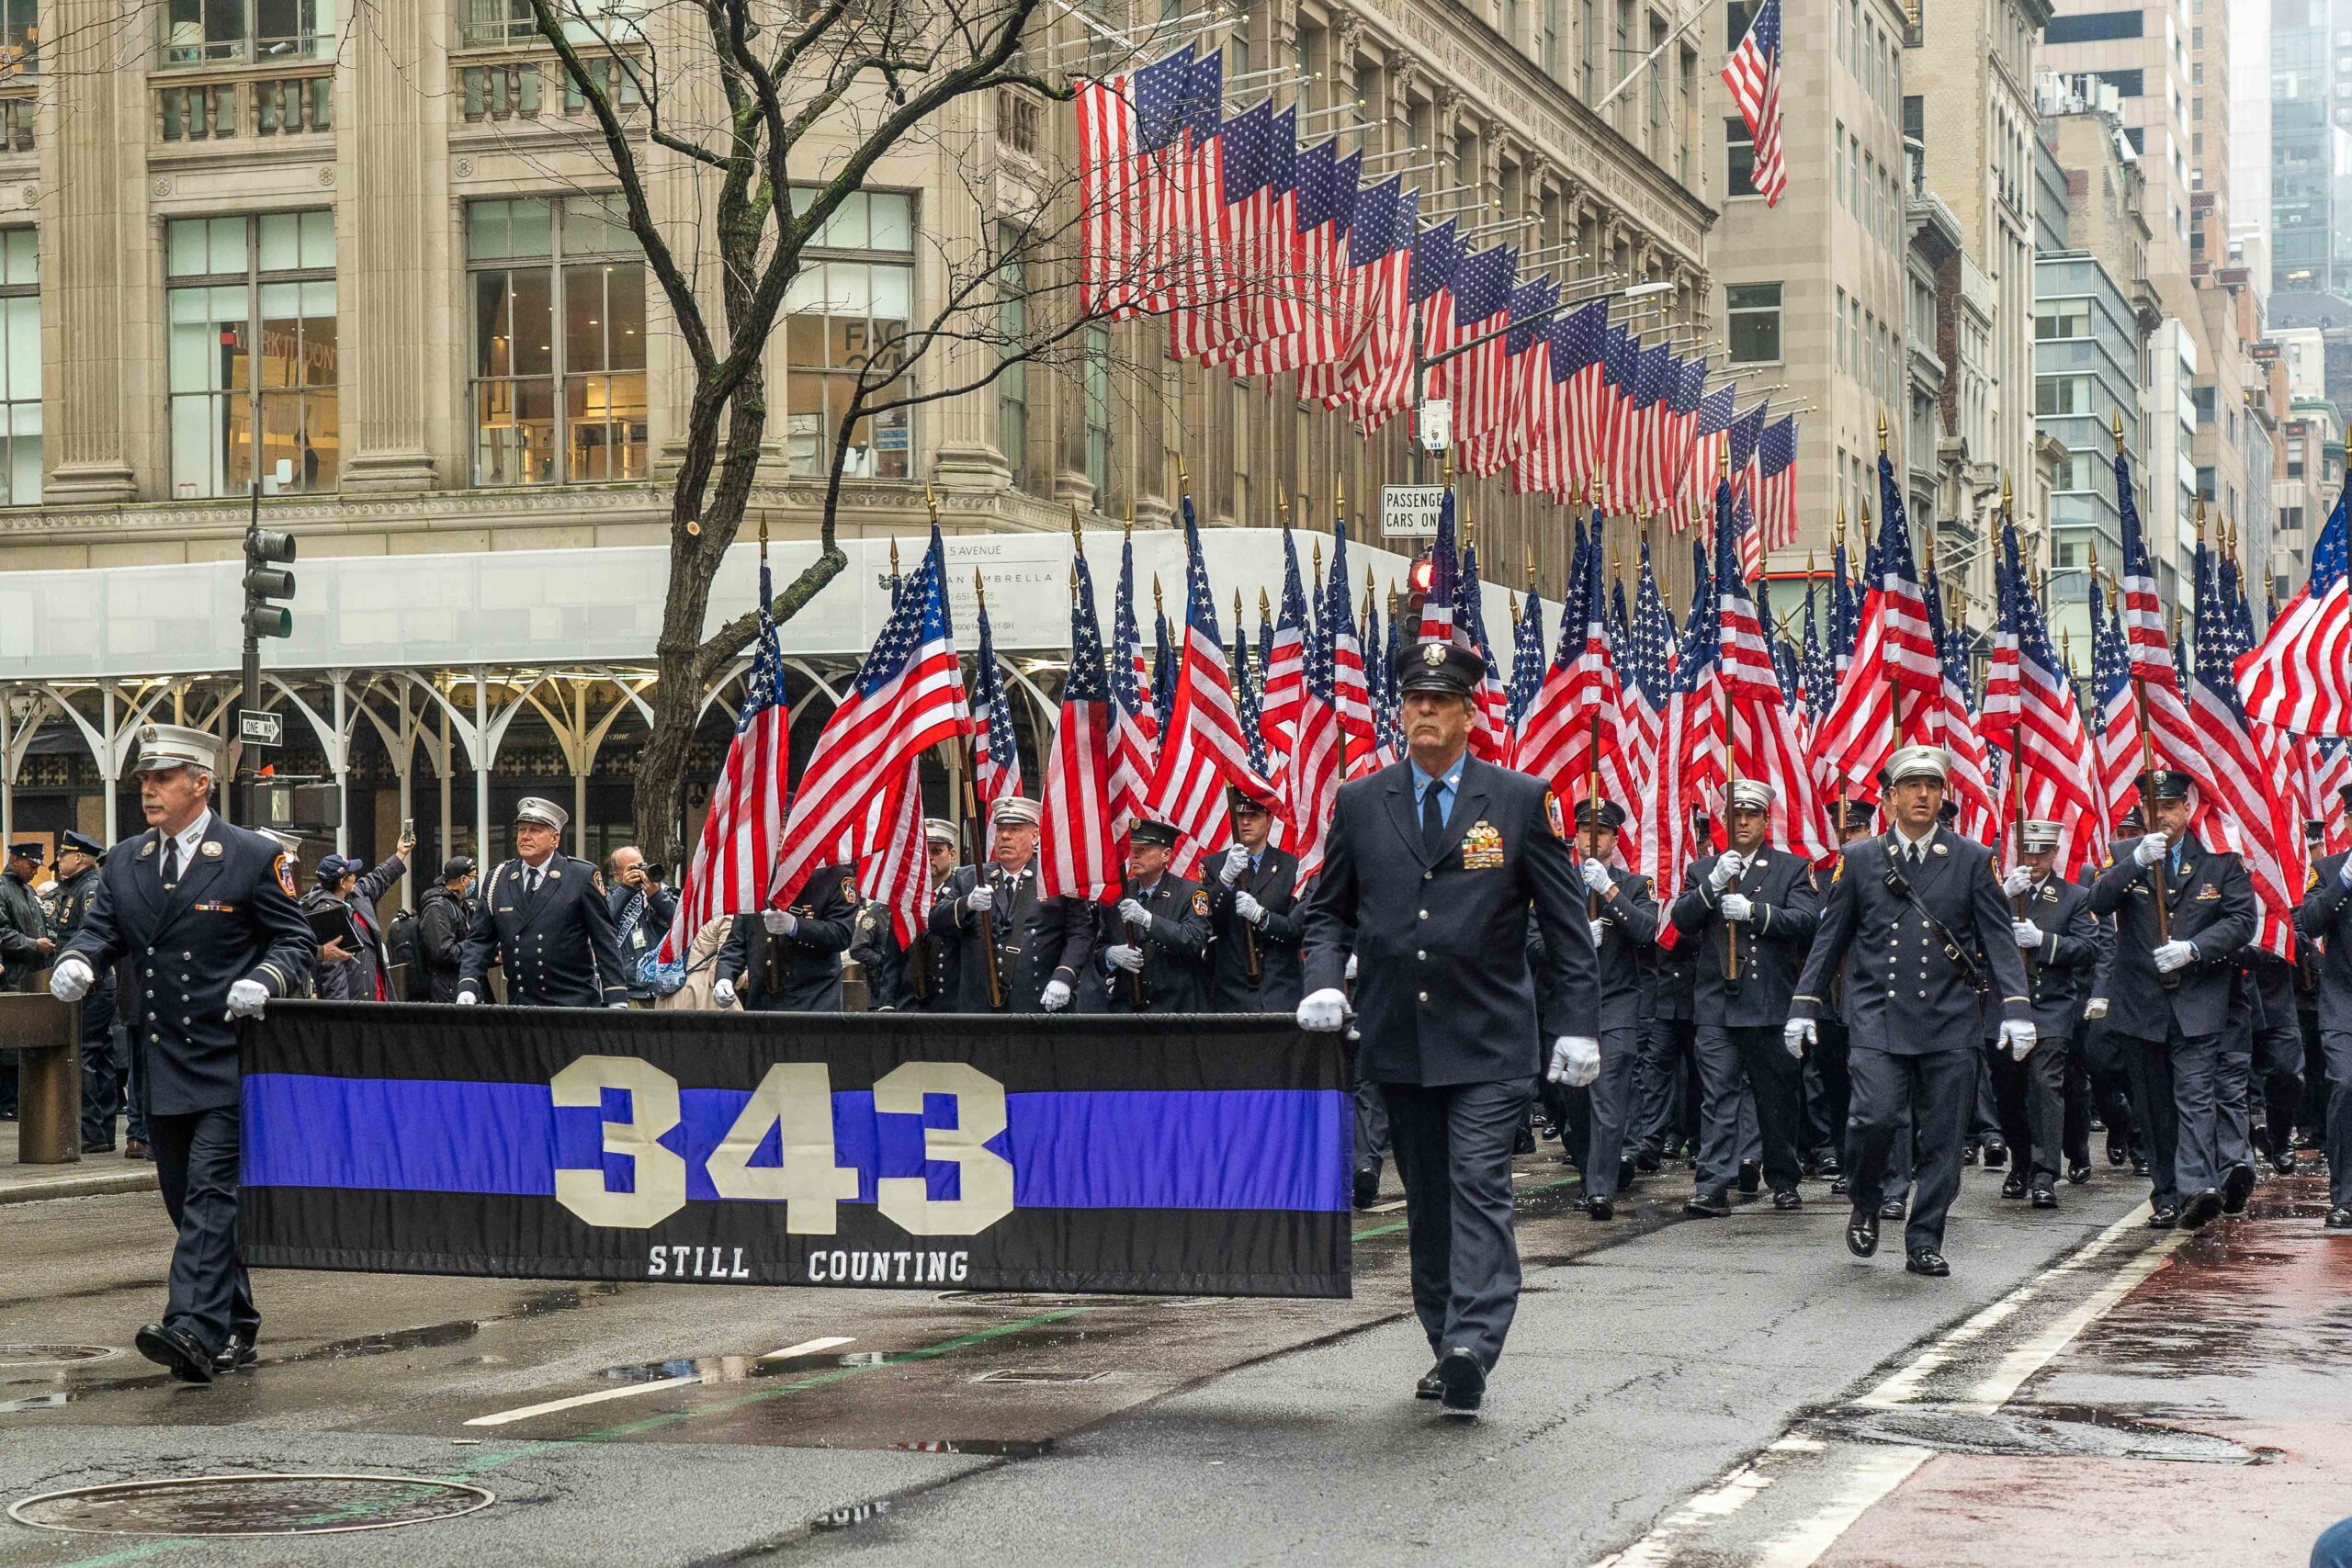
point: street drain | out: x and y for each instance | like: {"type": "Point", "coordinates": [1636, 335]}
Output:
{"type": "Point", "coordinates": [1040, 1375]}
{"type": "Point", "coordinates": [2094, 1436]}
{"type": "Point", "coordinates": [53, 1355]}
{"type": "Point", "coordinates": [250, 1504]}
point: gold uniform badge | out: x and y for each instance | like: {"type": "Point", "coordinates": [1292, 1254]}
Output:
{"type": "Point", "coordinates": [1482, 848]}
{"type": "Point", "coordinates": [1200, 901]}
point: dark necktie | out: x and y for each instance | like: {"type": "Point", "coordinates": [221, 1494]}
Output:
{"type": "Point", "coordinates": [1432, 821]}
{"type": "Point", "coordinates": [171, 864]}
{"type": "Point", "coordinates": [530, 887]}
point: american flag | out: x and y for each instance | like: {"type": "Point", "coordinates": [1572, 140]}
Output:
{"type": "Point", "coordinates": [2287, 754]}
{"type": "Point", "coordinates": [1820, 680]}
{"type": "Point", "coordinates": [1690, 740]}
{"type": "Point", "coordinates": [1526, 657]}
{"type": "Point", "coordinates": [1200, 264]}
{"type": "Point", "coordinates": [1436, 253]}
{"type": "Point", "coordinates": [1482, 292]}
{"type": "Point", "coordinates": [1285, 665]}
{"type": "Point", "coordinates": [1437, 604]}
{"type": "Point", "coordinates": [1201, 750]}
{"type": "Point", "coordinates": [2040, 723]}
{"type": "Point", "coordinates": [907, 697]}
{"type": "Point", "coordinates": [2155, 673]}
{"type": "Point", "coordinates": [1739, 449]}
{"type": "Point", "coordinates": [1621, 368]}
{"type": "Point", "coordinates": [1134, 753]}
{"type": "Point", "coordinates": [1896, 663]}
{"type": "Point", "coordinates": [1079, 855]}
{"type": "Point", "coordinates": [1245, 696]}
{"type": "Point", "coordinates": [1628, 448]}
{"type": "Point", "coordinates": [729, 873]}
{"type": "Point", "coordinates": [1113, 198]}
{"type": "Point", "coordinates": [1163, 92]}
{"type": "Point", "coordinates": [996, 755]}
{"type": "Point", "coordinates": [2115, 722]}
{"type": "Point", "coordinates": [1580, 343]}
{"type": "Point", "coordinates": [1372, 229]}
{"type": "Point", "coordinates": [1951, 724]}
{"type": "Point", "coordinates": [1226, 315]}
{"type": "Point", "coordinates": [1490, 736]}
{"type": "Point", "coordinates": [1764, 742]}
{"type": "Point", "coordinates": [1319, 225]}
{"type": "Point", "coordinates": [1318, 763]}
{"type": "Point", "coordinates": [1642, 683]}
{"type": "Point", "coordinates": [1845, 615]}
{"type": "Point", "coordinates": [1709, 442]}
{"type": "Point", "coordinates": [1351, 682]}
{"type": "Point", "coordinates": [1281, 307]}
{"type": "Point", "coordinates": [1753, 75]}
{"type": "Point", "coordinates": [1776, 480]}
{"type": "Point", "coordinates": [2244, 811]}
{"type": "Point", "coordinates": [1679, 428]}
{"type": "Point", "coordinates": [1386, 695]}
{"type": "Point", "coordinates": [1572, 733]}
{"type": "Point", "coordinates": [1379, 375]}
{"type": "Point", "coordinates": [1527, 359]}
{"type": "Point", "coordinates": [1163, 665]}
{"type": "Point", "coordinates": [2300, 678]}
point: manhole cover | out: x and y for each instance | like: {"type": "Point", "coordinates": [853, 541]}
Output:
{"type": "Point", "coordinates": [53, 1355]}
{"type": "Point", "coordinates": [1961, 1431]}
{"type": "Point", "coordinates": [251, 1505]}
{"type": "Point", "coordinates": [1040, 1375]}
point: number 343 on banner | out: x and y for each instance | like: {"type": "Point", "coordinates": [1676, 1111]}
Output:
{"type": "Point", "coordinates": [795, 1098]}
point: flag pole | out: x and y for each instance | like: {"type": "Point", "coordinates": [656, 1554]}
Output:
{"type": "Point", "coordinates": [2017, 755]}
{"type": "Point", "coordinates": [972, 825]}
{"type": "Point", "coordinates": [2147, 759]}
{"type": "Point", "coordinates": [1592, 751]}
{"type": "Point", "coordinates": [1248, 932]}
{"type": "Point", "coordinates": [1731, 752]}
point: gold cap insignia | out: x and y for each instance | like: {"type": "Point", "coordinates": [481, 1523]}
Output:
{"type": "Point", "coordinates": [1432, 653]}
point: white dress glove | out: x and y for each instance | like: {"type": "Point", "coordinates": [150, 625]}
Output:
{"type": "Point", "coordinates": [2175, 955]}
{"type": "Point", "coordinates": [247, 997]}
{"type": "Point", "coordinates": [2150, 850]}
{"type": "Point", "coordinates": [1737, 907]}
{"type": "Point", "coordinates": [980, 899]}
{"type": "Point", "coordinates": [1324, 1011]}
{"type": "Point", "coordinates": [2029, 935]}
{"type": "Point", "coordinates": [1599, 930]}
{"type": "Point", "coordinates": [1596, 875]}
{"type": "Point", "coordinates": [2017, 1039]}
{"type": "Point", "coordinates": [622, 1007]}
{"type": "Point", "coordinates": [779, 922]}
{"type": "Point", "coordinates": [71, 980]}
{"type": "Point", "coordinates": [2019, 882]}
{"type": "Point", "coordinates": [1125, 957]}
{"type": "Point", "coordinates": [1237, 861]}
{"type": "Point", "coordinates": [1728, 865]}
{"type": "Point", "coordinates": [2095, 1007]}
{"type": "Point", "coordinates": [722, 993]}
{"type": "Point", "coordinates": [1249, 908]}
{"type": "Point", "coordinates": [466, 1000]}
{"type": "Point", "coordinates": [2343, 871]}
{"type": "Point", "coordinates": [1798, 1033]}
{"type": "Point", "coordinates": [1134, 913]}
{"type": "Point", "coordinates": [1575, 1060]}
{"type": "Point", "coordinates": [1351, 967]}
{"type": "Point", "coordinates": [1055, 996]}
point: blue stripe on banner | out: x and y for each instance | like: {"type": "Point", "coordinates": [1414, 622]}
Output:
{"type": "Point", "coordinates": [1121, 1149]}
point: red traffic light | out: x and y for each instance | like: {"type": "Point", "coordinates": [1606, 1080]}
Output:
{"type": "Point", "coordinates": [1424, 573]}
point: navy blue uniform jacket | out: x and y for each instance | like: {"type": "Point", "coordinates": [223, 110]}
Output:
{"type": "Point", "coordinates": [1445, 992]}
{"type": "Point", "coordinates": [1904, 996]}
{"type": "Point", "coordinates": [232, 916]}
{"type": "Point", "coordinates": [2210, 903]}
{"type": "Point", "coordinates": [557, 953]}
{"type": "Point", "coordinates": [2326, 915]}
{"type": "Point", "coordinates": [1786, 907]}
{"type": "Point", "coordinates": [800, 973]}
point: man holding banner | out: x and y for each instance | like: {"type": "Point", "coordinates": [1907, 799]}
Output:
{"type": "Point", "coordinates": [1430, 869]}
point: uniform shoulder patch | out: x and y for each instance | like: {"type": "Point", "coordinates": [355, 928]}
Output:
{"type": "Point", "coordinates": [1552, 815]}
{"type": "Point", "coordinates": [1200, 900]}
{"type": "Point", "coordinates": [849, 888]}
{"type": "Point", "coordinates": [283, 867]}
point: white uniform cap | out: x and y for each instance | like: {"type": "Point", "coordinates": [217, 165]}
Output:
{"type": "Point", "coordinates": [2040, 836]}
{"type": "Point", "coordinates": [163, 746]}
{"type": "Point", "coordinates": [939, 830]}
{"type": "Point", "coordinates": [1748, 794]}
{"type": "Point", "coordinates": [546, 812]}
{"type": "Point", "coordinates": [1919, 763]}
{"type": "Point", "coordinates": [1016, 809]}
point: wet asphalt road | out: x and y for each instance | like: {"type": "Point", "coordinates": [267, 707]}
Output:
{"type": "Point", "coordinates": [1651, 1358]}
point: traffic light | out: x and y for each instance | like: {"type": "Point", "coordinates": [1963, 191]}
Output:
{"type": "Point", "coordinates": [266, 580]}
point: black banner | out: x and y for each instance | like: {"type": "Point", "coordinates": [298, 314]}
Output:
{"type": "Point", "coordinates": [1187, 1155]}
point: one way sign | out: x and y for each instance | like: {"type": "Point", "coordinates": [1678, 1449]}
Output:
{"type": "Point", "coordinates": [258, 728]}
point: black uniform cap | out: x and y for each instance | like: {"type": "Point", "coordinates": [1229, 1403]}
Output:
{"type": "Point", "coordinates": [1159, 833]}
{"type": "Point", "coordinates": [2163, 783]}
{"type": "Point", "coordinates": [1601, 814]}
{"type": "Point", "coordinates": [1449, 667]}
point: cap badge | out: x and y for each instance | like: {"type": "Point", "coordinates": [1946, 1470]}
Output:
{"type": "Point", "coordinates": [1433, 654]}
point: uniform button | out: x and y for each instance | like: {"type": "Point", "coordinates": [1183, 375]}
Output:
{"type": "Point", "coordinates": [151, 952]}
{"type": "Point", "coordinates": [1425, 914]}
{"type": "Point", "coordinates": [1426, 877]}
{"type": "Point", "coordinates": [1423, 956]}
{"type": "Point", "coordinates": [154, 1039]}
{"type": "Point", "coordinates": [151, 1018]}
{"type": "Point", "coordinates": [188, 957]}
{"type": "Point", "coordinates": [183, 1023]}
{"type": "Point", "coordinates": [1425, 996]}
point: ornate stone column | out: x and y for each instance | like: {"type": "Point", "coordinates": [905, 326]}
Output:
{"type": "Point", "coordinates": [961, 435]}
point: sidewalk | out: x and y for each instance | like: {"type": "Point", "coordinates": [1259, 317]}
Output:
{"type": "Point", "coordinates": [92, 1176]}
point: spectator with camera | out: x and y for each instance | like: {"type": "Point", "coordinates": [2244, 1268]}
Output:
{"type": "Point", "coordinates": [642, 909]}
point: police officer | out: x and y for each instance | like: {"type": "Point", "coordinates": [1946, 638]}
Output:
{"type": "Point", "coordinates": [789, 960]}
{"type": "Point", "coordinates": [206, 914]}
{"type": "Point", "coordinates": [444, 915]}
{"type": "Point", "coordinates": [2060, 943]}
{"type": "Point", "coordinates": [1040, 945]}
{"type": "Point", "coordinates": [2168, 997]}
{"type": "Point", "coordinates": [1917, 922]}
{"type": "Point", "coordinates": [1430, 869]}
{"type": "Point", "coordinates": [1624, 920]}
{"type": "Point", "coordinates": [105, 1057]}
{"type": "Point", "coordinates": [1752, 910]}
{"type": "Point", "coordinates": [1152, 952]}
{"type": "Point", "coordinates": [1255, 914]}
{"type": "Point", "coordinates": [543, 920]}
{"type": "Point", "coordinates": [2325, 917]}
{"type": "Point", "coordinates": [911, 976]}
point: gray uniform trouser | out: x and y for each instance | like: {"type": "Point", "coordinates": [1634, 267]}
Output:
{"type": "Point", "coordinates": [2030, 1097]}
{"type": "Point", "coordinates": [2175, 1088]}
{"type": "Point", "coordinates": [1453, 1144]}
{"type": "Point", "coordinates": [1740, 1118]}
{"type": "Point", "coordinates": [1932, 1096]}
{"type": "Point", "coordinates": [2336, 1135]}
{"type": "Point", "coordinates": [2233, 1099]}
{"type": "Point", "coordinates": [1614, 1093]}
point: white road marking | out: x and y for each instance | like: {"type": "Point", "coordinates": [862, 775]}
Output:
{"type": "Point", "coordinates": [1385, 1208]}
{"type": "Point", "coordinates": [1880, 1473]}
{"type": "Point", "coordinates": [811, 1347]}
{"type": "Point", "coordinates": [599, 1397]}
{"type": "Point", "coordinates": [1722, 1500]}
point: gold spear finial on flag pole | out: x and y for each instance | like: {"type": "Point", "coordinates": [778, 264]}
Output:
{"type": "Point", "coordinates": [1882, 433]}
{"type": "Point", "coordinates": [2119, 433]}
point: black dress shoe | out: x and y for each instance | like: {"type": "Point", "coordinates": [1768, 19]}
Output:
{"type": "Point", "coordinates": [1926, 1260]}
{"type": "Point", "coordinates": [1842, 1185]}
{"type": "Point", "coordinates": [1461, 1385]}
{"type": "Point", "coordinates": [2139, 1165]}
{"type": "Point", "coordinates": [1996, 1153]}
{"type": "Point", "coordinates": [1968, 1155]}
{"type": "Point", "coordinates": [176, 1351]}
{"type": "Point", "coordinates": [1788, 1200]}
{"type": "Point", "coordinates": [2236, 1188]}
{"type": "Point", "coordinates": [1524, 1143]}
{"type": "Point", "coordinates": [2013, 1185]}
{"type": "Point", "coordinates": [1600, 1208]}
{"type": "Point", "coordinates": [1647, 1160]}
{"type": "Point", "coordinates": [2115, 1154]}
{"type": "Point", "coordinates": [1751, 1179]}
{"type": "Point", "coordinates": [1893, 1209]}
{"type": "Point", "coordinates": [2199, 1209]}
{"type": "Point", "coordinates": [2162, 1218]}
{"type": "Point", "coordinates": [2339, 1219]}
{"type": "Point", "coordinates": [105, 1148]}
{"type": "Point", "coordinates": [2078, 1174]}
{"type": "Point", "coordinates": [2043, 1197]}
{"type": "Point", "coordinates": [1626, 1175]}
{"type": "Point", "coordinates": [1828, 1166]}
{"type": "Point", "coordinates": [1861, 1232]}
{"type": "Point", "coordinates": [1431, 1387]}
{"type": "Point", "coordinates": [2283, 1162]}
{"type": "Point", "coordinates": [1367, 1189]}
{"type": "Point", "coordinates": [1708, 1204]}
{"type": "Point", "coordinates": [235, 1357]}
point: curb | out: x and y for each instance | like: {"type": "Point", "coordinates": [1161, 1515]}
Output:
{"type": "Point", "coordinates": [79, 1186]}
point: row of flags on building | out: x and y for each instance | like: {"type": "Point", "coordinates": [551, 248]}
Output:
{"type": "Point", "coordinates": [1628, 704]}
{"type": "Point", "coordinates": [1265, 257]}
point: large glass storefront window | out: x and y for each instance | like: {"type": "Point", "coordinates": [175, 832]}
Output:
{"type": "Point", "coordinates": [254, 361]}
